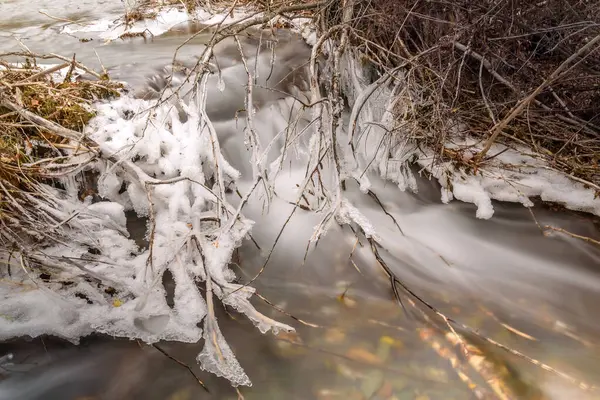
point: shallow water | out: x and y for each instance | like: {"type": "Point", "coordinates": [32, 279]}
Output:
{"type": "Point", "coordinates": [535, 293]}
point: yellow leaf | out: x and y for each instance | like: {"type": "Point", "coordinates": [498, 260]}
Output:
{"type": "Point", "coordinates": [348, 302]}
{"type": "Point", "coordinates": [117, 303]}
{"type": "Point", "coordinates": [387, 340]}
{"type": "Point", "coordinates": [183, 394]}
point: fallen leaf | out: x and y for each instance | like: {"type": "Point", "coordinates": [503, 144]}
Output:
{"type": "Point", "coordinates": [371, 384]}
{"type": "Point", "coordinates": [385, 345]}
{"type": "Point", "coordinates": [436, 374]}
{"type": "Point", "coordinates": [183, 394]}
{"type": "Point", "coordinates": [347, 372]}
{"type": "Point", "coordinates": [334, 336]}
{"type": "Point", "coordinates": [291, 337]}
{"type": "Point", "coordinates": [348, 302]}
{"type": "Point", "coordinates": [386, 390]}
{"type": "Point", "coordinates": [363, 355]}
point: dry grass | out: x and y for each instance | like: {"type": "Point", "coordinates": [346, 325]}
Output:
{"type": "Point", "coordinates": [26, 148]}
{"type": "Point", "coordinates": [142, 10]}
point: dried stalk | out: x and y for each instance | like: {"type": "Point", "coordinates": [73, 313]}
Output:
{"type": "Point", "coordinates": [517, 109]}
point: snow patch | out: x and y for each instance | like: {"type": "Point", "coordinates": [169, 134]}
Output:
{"type": "Point", "coordinates": [113, 29]}
{"type": "Point", "coordinates": [168, 18]}
{"type": "Point", "coordinates": [513, 174]}
{"type": "Point", "coordinates": [103, 282]}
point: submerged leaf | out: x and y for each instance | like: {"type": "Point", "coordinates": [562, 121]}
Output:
{"type": "Point", "coordinates": [372, 383]}
{"type": "Point", "coordinates": [363, 355]}
{"type": "Point", "coordinates": [334, 336]}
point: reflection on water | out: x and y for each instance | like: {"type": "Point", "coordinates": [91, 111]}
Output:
{"type": "Point", "coordinates": [535, 293]}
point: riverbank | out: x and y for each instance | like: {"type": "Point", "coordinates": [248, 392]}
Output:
{"type": "Point", "coordinates": [445, 138]}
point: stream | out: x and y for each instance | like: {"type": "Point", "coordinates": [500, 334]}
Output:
{"type": "Point", "coordinates": [535, 293]}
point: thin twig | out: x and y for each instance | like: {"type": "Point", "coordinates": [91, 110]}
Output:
{"type": "Point", "coordinates": [450, 321]}
{"type": "Point", "coordinates": [518, 108]}
{"type": "Point", "coordinates": [573, 235]}
{"type": "Point", "coordinates": [281, 310]}
{"type": "Point", "coordinates": [183, 365]}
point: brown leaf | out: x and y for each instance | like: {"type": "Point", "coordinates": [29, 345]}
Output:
{"type": "Point", "coordinates": [386, 390]}
{"type": "Point", "coordinates": [363, 355]}
{"type": "Point", "coordinates": [291, 337]}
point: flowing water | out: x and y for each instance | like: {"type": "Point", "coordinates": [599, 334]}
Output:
{"type": "Point", "coordinates": [535, 293]}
